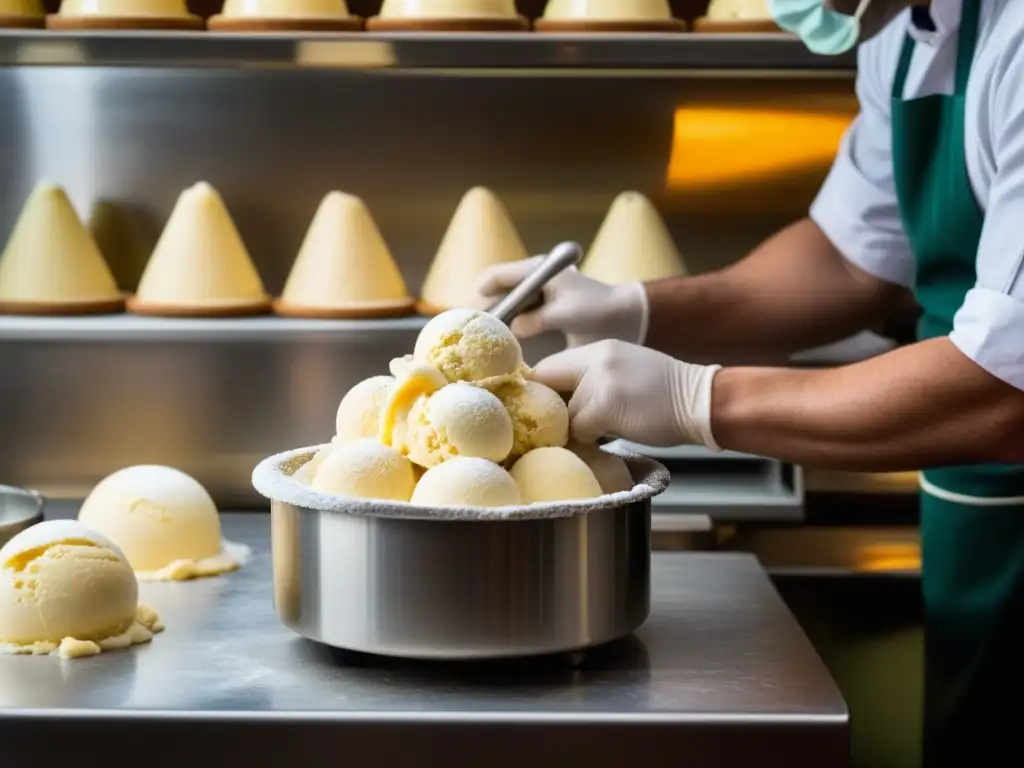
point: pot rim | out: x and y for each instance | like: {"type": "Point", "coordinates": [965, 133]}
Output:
{"type": "Point", "coordinates": [30, 513]}
{"type": "Point", "coordinates": [273, 478]}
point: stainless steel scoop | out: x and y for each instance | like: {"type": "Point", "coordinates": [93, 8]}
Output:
{"type": "Point", "coordinates": [528, 294]}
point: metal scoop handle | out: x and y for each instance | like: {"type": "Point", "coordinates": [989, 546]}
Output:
{"type": "Point", "coordinates": [530, 291]}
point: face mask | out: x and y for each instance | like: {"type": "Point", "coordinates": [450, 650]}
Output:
{"type": "Point", "coordinates": [823, 30]}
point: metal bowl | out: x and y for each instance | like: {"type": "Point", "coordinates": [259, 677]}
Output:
{"type": "Point", "coordinates": [422, 588]}
{"type": "Point", "coordinates": [19, 509]}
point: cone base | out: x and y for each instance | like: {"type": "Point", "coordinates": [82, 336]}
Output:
{"type": "Point", "coordinates": [739, 26]}
{"type": "Point", "coordinates": [238, 309]}
{"type": "Point", "coordinates": [583, 25]}
{"type": "Point", "coordinates": [221, 23]}
{"type": "Point", "coordinates": [60, 308]}
{"type": "Point", "coordinates": [22, 22]}
{"type": "Point", "coordinates": [367, 311]}
{"type": "Point", "coordinates": [428, 309]}
{"type": "Point", "coordinates": [183, 23]}
{"type": "Point", "coordinates": [378, 24]}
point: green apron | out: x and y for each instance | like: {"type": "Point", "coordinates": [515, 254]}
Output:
{"type": "Point", "coordinates": [972, 517]}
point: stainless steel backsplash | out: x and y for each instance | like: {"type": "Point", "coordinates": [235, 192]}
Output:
{"type": "Point", "coordinates": [125, 142]}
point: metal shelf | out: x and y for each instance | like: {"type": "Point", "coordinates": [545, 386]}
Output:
{"type": "Point", "coordinates": [491, 53]}
{"type": "Point", "coordinates": [132, 328]}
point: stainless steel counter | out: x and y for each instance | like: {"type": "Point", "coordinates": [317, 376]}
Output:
{"type": "Point", "coordinates": [721, 675]}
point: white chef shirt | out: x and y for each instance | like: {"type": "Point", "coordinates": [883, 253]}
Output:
{"type": "Point", "coordinates": [857, 209]}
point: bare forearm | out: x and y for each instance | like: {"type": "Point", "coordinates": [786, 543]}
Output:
{"type": "Point", "coordinates": [920, 406]}
{"type": "Point", "coordinates": [795, 291]}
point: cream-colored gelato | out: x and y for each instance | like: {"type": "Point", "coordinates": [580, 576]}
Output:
{"type": "Point", "coordinates": [610, 470]}
{"type": "Point", "coordinates": [480, 235]}
{"type": "Point", "coordinates": [456, 420]}
{"type": "Point", "coordinates": [360, 411]}
{"type": "Point", "coordinates": [540, 418]}
{"type": "Point", "coordinates": [344, 265]}
{"type": "Point", "coordinates": [125, 8]}
{"type": "Point", "coordinates": [200, 261]}
{"type": "Point", "coordinates": [67, 589]}
{"type": "Point", "coordinates": [365, 469]}
{"type": "Point", "coordinates": [467, 482]}
{"type": "Point", "coordinates": [448, 9]}
{"type": "Point", "coordinates": [609, 10]}
{"type": "Point", "coordinates": [469, 345]}
{"type": "Point", "coordinates": [554, 474]}
{"type": "Point", "coordinates": [51, 259]}
{"type": "Point", "coordinates": [164, 521]}
{"type": "Point", "coordinates": [633, 244]}
{"type": "Point", "coordinates": [413, 380]}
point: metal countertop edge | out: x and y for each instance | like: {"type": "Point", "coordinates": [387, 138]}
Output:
{"type": "Point", "coordinates": [418, 717]}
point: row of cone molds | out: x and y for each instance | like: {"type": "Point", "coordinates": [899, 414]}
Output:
{"type": "Point", "coordinates": [334, 15]}
{"type": "Point", "coordinates": [201, 267]}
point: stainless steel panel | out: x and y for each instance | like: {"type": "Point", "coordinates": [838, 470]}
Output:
{"type": "Point", "coordinates": [778, 53]}
{"type": "Point", "coordinates": [720, 672]}
{"type": "Point", "coordinates": [125, 142]}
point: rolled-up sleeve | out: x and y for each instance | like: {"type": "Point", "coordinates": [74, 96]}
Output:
{"type": "Point", "coordinates": [856, 207]}
{"type": "Point", "coordinates": [989, 326]}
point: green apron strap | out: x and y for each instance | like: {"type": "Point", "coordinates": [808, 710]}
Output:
{"type": "Point", "coordinates": [967, 41]}
{"type": "Point", "coordinates": [900, 80]}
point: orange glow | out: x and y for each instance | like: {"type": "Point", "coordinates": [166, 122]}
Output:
{"type": "Point", "coordinates": [721, 146]}
{"type": "Point", "coordinates": [890, 557]}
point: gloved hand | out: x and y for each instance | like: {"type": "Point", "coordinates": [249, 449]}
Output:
{"type": "Point", "coordinates": [584, 310]}
{"type": "Point", "coordinates": [634, 393]}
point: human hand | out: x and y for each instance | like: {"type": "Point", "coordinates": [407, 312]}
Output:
{"type": "Point", "coordinates": [585, 310]}
{"type": "Point", "coordinates": [634, 393]}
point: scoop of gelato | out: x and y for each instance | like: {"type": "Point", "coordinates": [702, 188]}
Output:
{"type": "Point", "coordinates": [469, 345]}
{"type": "Point", "coordinates": [467, 482]}
{"type": "Point", "coordinates": [365, 469]}
{"type": "Point", "coordinates": [554, 474]}
{"type": "Point", "coordinates": [540, 418]}
{"type": "Point", "coordinates": [165, 522]}
{"type": "Point", "coordinates": [456, 420]}
{"type": "Point", "coordinates": [359, 413]}
{"type": "Point", "coordinates": [68, 589]}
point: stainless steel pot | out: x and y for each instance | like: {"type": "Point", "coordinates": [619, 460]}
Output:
{"type": "Point", "coordinates": [465, 589]}
{"type": "Point", "coordinates": [19, 509]}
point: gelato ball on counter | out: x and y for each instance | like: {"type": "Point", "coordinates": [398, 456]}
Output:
{"type": "Point", "coordinates": [165, 523]}
{"type": "Point", "coordinates": [459, 422]}
{"type": "Point", "coordinates": [69, 590]}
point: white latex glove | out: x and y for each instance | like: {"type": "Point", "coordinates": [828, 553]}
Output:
{"type": "Point", "coordinates": [584, 310]}
{"type": "Point", "coordinates": [634, 393]}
